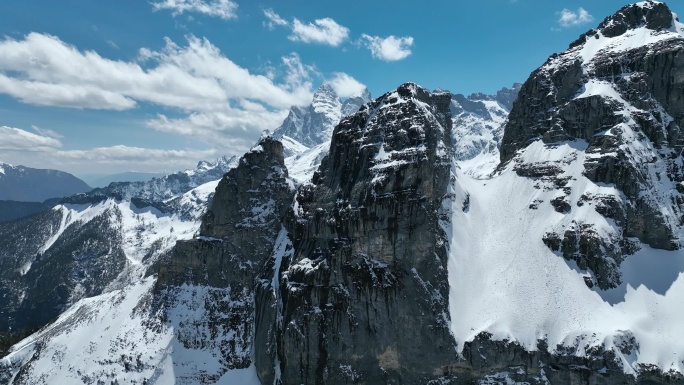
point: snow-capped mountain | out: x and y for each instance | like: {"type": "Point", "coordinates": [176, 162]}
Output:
{"type": "Point", "coordinates": [576, 240]}
{"type": "Point", "coordinates": [102, 180]}
{"type": "Point", "coordinates": [166, 187]}
{"type": "Point", "coordinates": [26, 184]}
{"type": "Point", "coordinates": [195, 307]}
{"type": "Point", "coordinates": [314, 124]}
{"type": "Point", "coordinates": [478, 122]}
{"type": "Point", "coordinates": [399, 252]}
{"type": "Point", "coordinates": [96, 242]}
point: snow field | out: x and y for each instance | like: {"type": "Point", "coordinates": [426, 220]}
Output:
{"type": "Point", "coordinates": [505, 281]}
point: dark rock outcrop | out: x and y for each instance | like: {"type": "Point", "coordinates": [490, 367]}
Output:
{"type": "Point", "coordinates": [487, 361]}
{"type": "Point", "coordinates": [236, 238]}
{"type": "Point", "coordinates": [365, 291]}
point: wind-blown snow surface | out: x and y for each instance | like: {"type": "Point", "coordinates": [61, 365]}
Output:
{"type": "Point", "coordinates": [505, 281]}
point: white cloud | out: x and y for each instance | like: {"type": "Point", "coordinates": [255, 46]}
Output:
{"type": "Point", "coordinates": [569, 18]}
{"type": "Point", "coordinates": [221, 126]}
{"type": "Point", "coordinates": [16, 139]}
{"type": "Point", "coordinates": [346, 86]}
{"type": "Point", "coordinates": [322, 31]}
{"type": "Point", "coordinates": [391, 48]}
{"type": "Point", "coordinates": [194, 79]}
{"type": "Point", "coordinates": [43, 150]}
{"type": "Point", "coordinates": [125, 154]}
{"type": "Point", "coordinates": [224, 9]}
{"type": "Point", "coordinates": [205, 95]}
{"type": "Point", "coordinates": [63, 95]}
{"type": "Point", "coordinates": [274, 19]}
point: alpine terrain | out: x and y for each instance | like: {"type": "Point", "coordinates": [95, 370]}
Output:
{"type": "Point", "coordinates": [534, 236]}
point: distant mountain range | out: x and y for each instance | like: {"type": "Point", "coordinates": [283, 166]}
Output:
{"type": "Point", "coordinates": [101, 180]}
{"type": "Point", "coordinates": [26, 184]}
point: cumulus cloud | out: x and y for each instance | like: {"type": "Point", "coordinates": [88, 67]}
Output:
{"type": "Point", "coordinates": [569, 18]}
{"type": "Point", "coordinates": [346, 86]}
{"type": "Point", "coordinates": [322, 31]}
{"type": "Point", "coordinates": [212, 125]}
{"type": "Point", "coordinates": [391, 48]}
{"type": "Point", "coordinates": [194, 78]}
{"type": "Point", "coordinates": [16, 139]}
{"type": "Point", "coordinates": [224, 9]}
{"type": "Point", "coordinates": [204, 96]}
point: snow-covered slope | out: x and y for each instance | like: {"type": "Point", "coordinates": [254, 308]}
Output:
{"type": "Point", "coordinates": [168, 186]}
{"type": "Point", "coordinates": [505, 281]}
{"type": "Point", "coordinates": [576, 239]}
{"type": "Point", "coordinates": [78, 250]}
{"type": "Point", "coordinates": [301, 166]}
{"type": "Point", "coordinates": [118, 336]}
{"type": "Point", "coordinates": [152, 330]}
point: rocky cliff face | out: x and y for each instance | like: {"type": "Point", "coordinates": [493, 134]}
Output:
{"type": "Point", "coordinates": [364, 292]}
{"type": "Point", "coordinates": [619, 89]}
{"type": "Point", "coordinates": [236, 238]}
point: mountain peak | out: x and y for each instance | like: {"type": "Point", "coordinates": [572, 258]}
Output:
{"type": "Point", "coordinates": [314, 124]}
{"type": "Point", "coordinates": [651, 20]}
{"type": "Point", "coordinates": [636, 26]}
{"type": "Point", "coordinates": [325, 90]}
{"type": "Point", "coordinates": [653, 15]}
{"type": "Point", "coordinates": [364, 94]}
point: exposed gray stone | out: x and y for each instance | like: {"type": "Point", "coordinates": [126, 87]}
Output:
{"type": "Point", "coordinates": [365, 294]}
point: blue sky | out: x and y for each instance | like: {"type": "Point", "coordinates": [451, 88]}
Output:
{"type": "Point", "coordinates": [109, 86]}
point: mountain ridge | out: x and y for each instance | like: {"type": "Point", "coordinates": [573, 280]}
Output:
{"type": "Point", "coordinates": [26, 184]}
